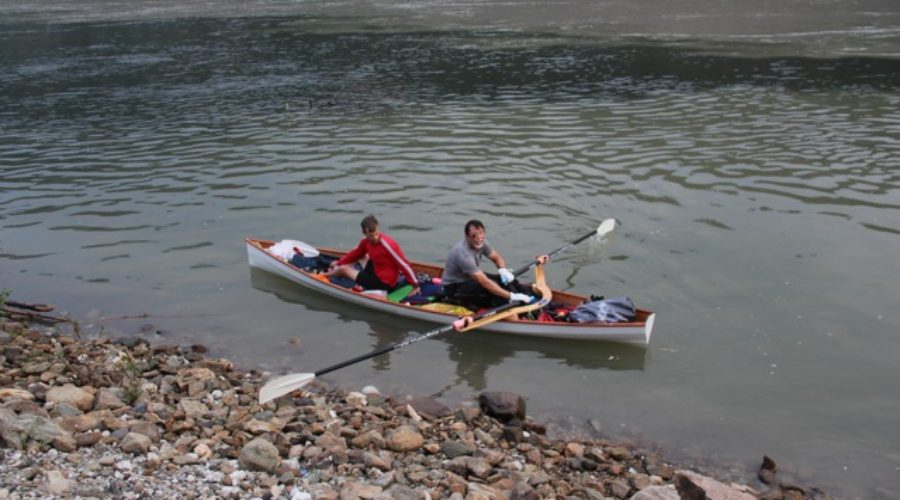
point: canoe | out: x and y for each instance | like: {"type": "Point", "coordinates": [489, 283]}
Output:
{"type": "Point", "coordinates": [636, 332]}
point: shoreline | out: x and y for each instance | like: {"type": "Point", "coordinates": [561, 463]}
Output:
{"type": "Point", "coordinates": [100, 418]}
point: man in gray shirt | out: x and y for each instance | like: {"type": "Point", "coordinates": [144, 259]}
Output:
{"type": "Point", "coordinates": [465, 282]}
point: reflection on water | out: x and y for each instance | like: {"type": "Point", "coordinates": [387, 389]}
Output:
{"type": "Point", "coordinates": [472, 352]}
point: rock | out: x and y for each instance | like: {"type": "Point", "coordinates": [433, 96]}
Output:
{"type": "Point", "coordinates": [147, 429]}
{"type": "Point", "coordinates": [667, 492]}
{"type": "Point", "coordinates": [356, 399]}
{"type": "Point", "coordinates": [574, 449]}
{"type": "Point", "coordinates": [71, 395]}
{"type": "Point", "coordinates": [82, 423]}
{"type": "Point", "coordinates": [260, 455]}
{"type": "Point", "coordinates": [478, 466]}
{"type": "Point", "coordinates": [57, 484]}
{"type": "Point", "coordinates": [371, 390]}
{"type": "Point", "coordinates": [767, 470]}
{"type": "Point", "coordinates": [454, 449]}
{"type": "Point", "coordinates": [107, 400]}
{"type": "Point", "coordinates": [13, 432]}
{"type": "Point", "coordinates": [46, 431]}
{"type": "Point", "coordinates": [135, 443]}
{"type": "Point", "coordinates": [691, 485]}
{"type": "Point", "coordinates": [374, 460]}
{"type": "Point", "coordinates": [404, 438]}
{"type": "Point", "coordinates": [193, 409]}
{"type": "Point", "coordinates": [620, 488]}
{"type": "Point", "coordinates": [331, 443]}
{"type": "Point", "coordinates": [203, 451]}
{"type": "Point", "coordinates": [429, 408]}
{"type": "Point", "coordinates": [620, 453]}
{"type": "Point", "coordinates": [353, 489]}
{"type": "Point", "coordinates": [503, 406]}
{"type": "Point", "coordinates": [15, 392]}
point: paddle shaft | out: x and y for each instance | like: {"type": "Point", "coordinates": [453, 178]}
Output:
{"type": "Point", "coordinates": [412, 340]}
{"type": "Point", "coordinates": [563, 248]}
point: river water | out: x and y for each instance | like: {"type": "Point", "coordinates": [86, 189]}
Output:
{"type": "Point", "coordinates": [750, 150]}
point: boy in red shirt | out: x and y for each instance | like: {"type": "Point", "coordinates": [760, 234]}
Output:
{"type": "Point", "coordinates": [386, 261]}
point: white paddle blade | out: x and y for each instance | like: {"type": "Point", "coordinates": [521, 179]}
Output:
{"type": "Point", "coordinates": [606, 226]}
{"type": "Point", "coordinates": [280, 386]}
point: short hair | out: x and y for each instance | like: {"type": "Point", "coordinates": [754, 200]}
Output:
{"type": "Point", "coordinates": [473, 223]}
{"type": "Point", "coordinates": [369, 223]}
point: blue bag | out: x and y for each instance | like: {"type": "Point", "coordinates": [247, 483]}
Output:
{"type": "Point", "coordinates": [612, 310]}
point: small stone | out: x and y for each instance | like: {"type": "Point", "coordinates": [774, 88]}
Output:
{"type": "Point", "coordinates": [356, 399]}
{"type": "Point", "coordinates": [259, 454]}
{"type": "Point", "coordinates": [57, 484]}
{"type": "Point", "coordinates": [405, 438]}
{"type": "Point", "coordinates": [135, 443]}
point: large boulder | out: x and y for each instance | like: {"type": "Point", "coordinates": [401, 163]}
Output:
{"type": "Point", "coordinates": [503, 406]}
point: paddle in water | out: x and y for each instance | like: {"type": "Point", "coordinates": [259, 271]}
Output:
{"type": "Point", "coordinates": [289, 383]}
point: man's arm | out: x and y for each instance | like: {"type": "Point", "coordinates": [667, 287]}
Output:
{"type": "Point", "coordinates": [497, 259]}
{"type": "Point", "coordinates": [489, 284]}
{"type": "Point", "coordinates": [351, 256]}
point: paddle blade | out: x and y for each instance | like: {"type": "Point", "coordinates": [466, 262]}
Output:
{"type": "Point", "coordinates": [280, 386]}
{"type": "Point", "coordinates": [606, 227]}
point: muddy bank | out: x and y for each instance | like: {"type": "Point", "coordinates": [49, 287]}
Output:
{"type": "Point", "coordinates": [122, 418]}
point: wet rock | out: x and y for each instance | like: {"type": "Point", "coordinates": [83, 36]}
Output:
{"type": "Point", "coordinates": [767, 470]}
{"type": "Point", "coordinates": [503, 406]}
{"type": "Point", "coordinates": [429, 408]}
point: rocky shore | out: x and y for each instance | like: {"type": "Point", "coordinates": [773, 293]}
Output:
{"type": "Point", "coordinates": [98, 418]}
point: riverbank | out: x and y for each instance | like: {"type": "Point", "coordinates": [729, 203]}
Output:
{"type": "Point", "coordinates": [103, 418]}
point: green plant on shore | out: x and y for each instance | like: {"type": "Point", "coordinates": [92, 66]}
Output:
{"type": "Point", "coordinates": [131, 379]}
{"type": "Point", "coordinates": [4, 295]}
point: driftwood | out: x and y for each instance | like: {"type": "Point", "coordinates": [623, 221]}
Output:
{"type": "Point", "coordinates": [18, 313]}
{"type": "Point", "coordinates": [30, 307]}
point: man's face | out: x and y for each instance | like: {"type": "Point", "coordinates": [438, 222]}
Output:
{"type": "Point", "coordinates": [373, 236]}
{"type": "Point", "coordinates": [475, 237]}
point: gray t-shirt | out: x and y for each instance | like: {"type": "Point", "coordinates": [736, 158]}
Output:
{"type": "Point", "coordinates": [463, 261]}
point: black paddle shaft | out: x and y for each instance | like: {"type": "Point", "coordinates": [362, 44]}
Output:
{"type": "Point", "coordinates": [563, 248]}
{"type": "Point", "coordinates": [412, 340]}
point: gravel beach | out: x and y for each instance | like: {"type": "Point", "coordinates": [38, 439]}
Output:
{"type": "Point", "coordinates": [102, 418]}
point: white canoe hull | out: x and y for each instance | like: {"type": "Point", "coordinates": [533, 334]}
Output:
{"type": "Point", "coordinates": [631, 333]}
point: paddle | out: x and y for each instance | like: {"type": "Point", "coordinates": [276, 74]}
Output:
{"type": "Point", "coordinates": [602, 230]}
{"type": "Point", "coordinates": [288, 383]}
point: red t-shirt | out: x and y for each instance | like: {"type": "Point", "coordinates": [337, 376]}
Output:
{"type": "Point", "coordinates": [387, 258]}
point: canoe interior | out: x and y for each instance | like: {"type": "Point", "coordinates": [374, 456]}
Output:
{"type": "Point", "coordinates": [437, 271]}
